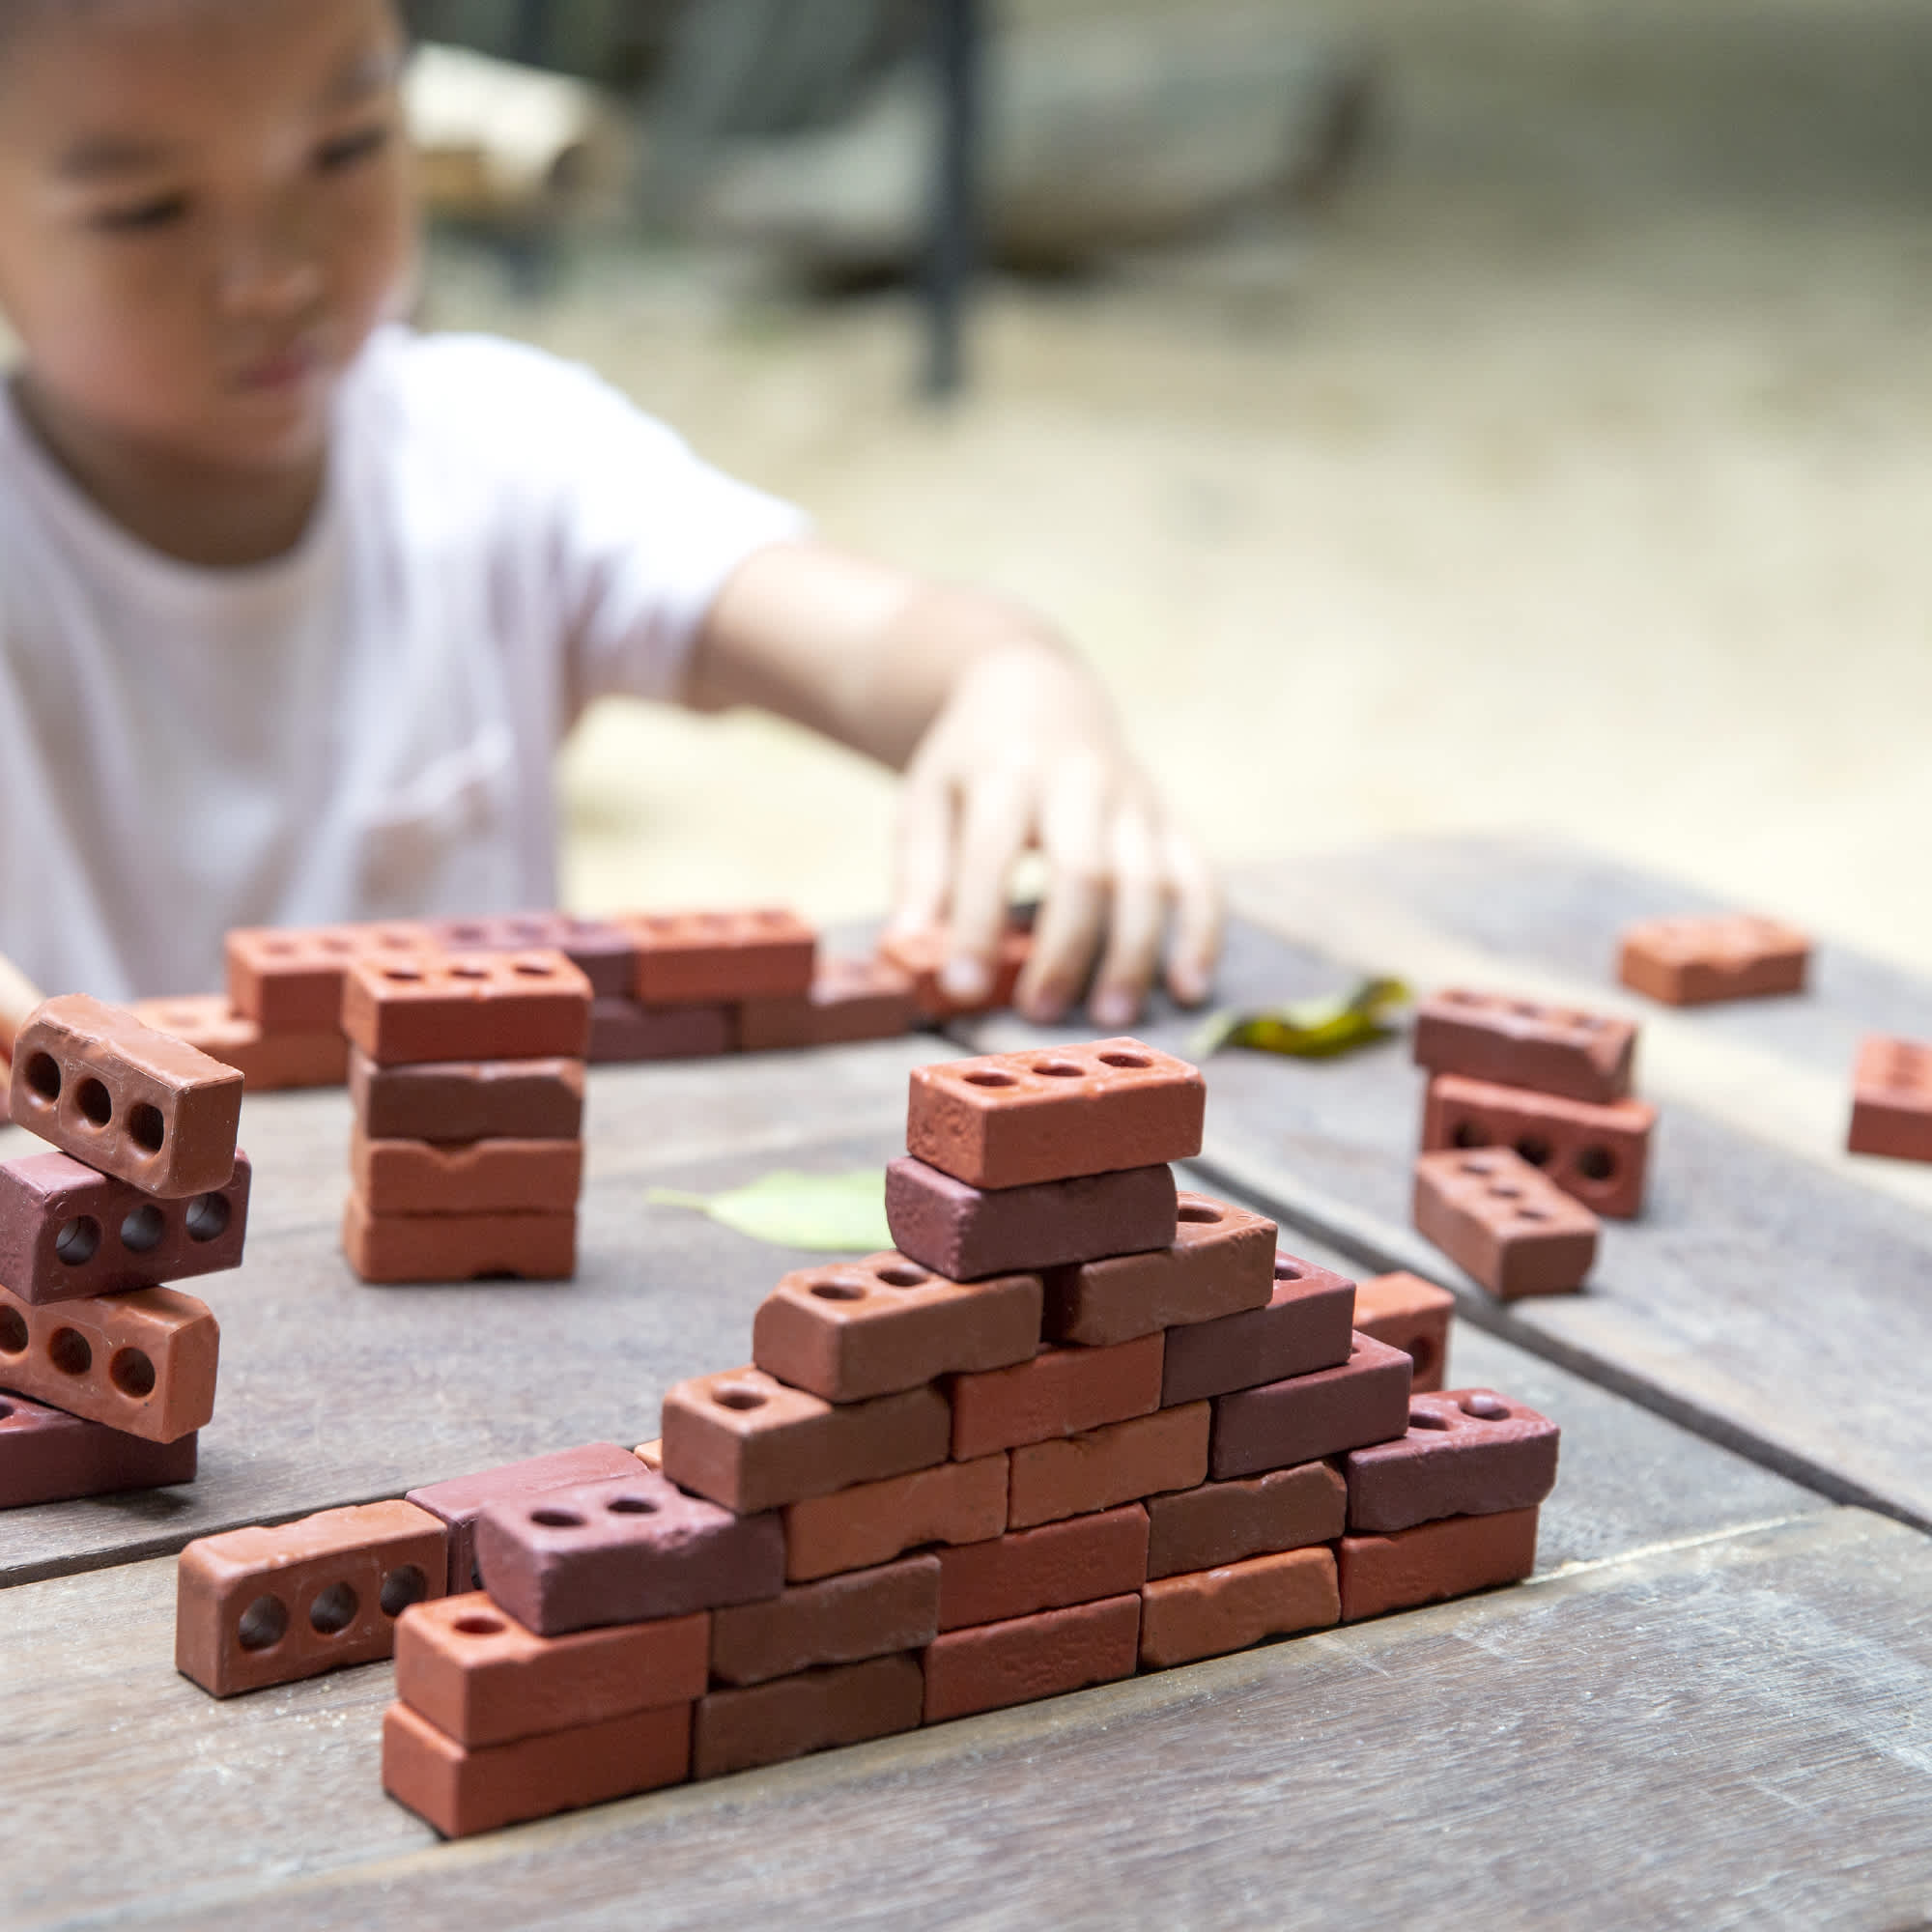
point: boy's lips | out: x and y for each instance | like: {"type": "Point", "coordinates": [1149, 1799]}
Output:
{"type": "Point", "coordinates": [286, 369]}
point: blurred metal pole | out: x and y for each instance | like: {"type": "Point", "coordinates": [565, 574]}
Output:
{"type": "Point", "coordinates": [958, 47]}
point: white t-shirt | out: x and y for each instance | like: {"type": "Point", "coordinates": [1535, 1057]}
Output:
{"type": "Point", "coordinates": [363, 728]}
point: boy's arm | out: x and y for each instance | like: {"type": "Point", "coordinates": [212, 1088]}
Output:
{"type": "Point", "coordinates": [1007, 742]}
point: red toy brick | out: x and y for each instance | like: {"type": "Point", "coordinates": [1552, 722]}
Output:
{"type": "Point", "coordinates": [841, 1619]}
{"type": "Point", "coordinates": [1694, 962]}
{"type": "Point", "coordinates": [1010, 1119]}
{"type": "Point", "coordinates": [873, 1522]}
{"type": "Point", "coordinates": [817, 1710]}
{"type": "Point", "coordinates": [921, 957]}
{"type": "Point", "coordinates": [289, 980]}
{"type": "Point", "coordinates": [604, 952]}
{"type": "Point", "coordinates": [1504, 1222]}
{"type": "Point", "coordinates": [1597, 1154]}
{"type": "Point", "coordinates": [268, 1063]}
{"type": "Point", "coordinates": [1305, 1327]}
{"type": "Point", "coordinates": [706, 958]}
{"type": "Point", "coordinates": [1306, 1417]}
{"type": "Point", "coordinates": [1209, 1613]}
{"type": "Point", "coordinates": [477, 1005]}
{"type": "Point", "coordinates": [257, 1606]}
{"type": "Point", "coordinates": [383, 1248]}
{"type": "Point", "coordinates": [1227, 1523]}
{"type": "Point", "coordinates": [48, 1455]}
{"type": "Point", "coordinates": [1060, 1392]}
{"type": "Point", "coordinates": [468, 1101]}
{"type": "Point", "coordinates": [121, 1097]}
{"type": "Point", "coordinates": [1075, 1561]}
{"type": "Point", "coordinates": [1468, 1453]}
{"type": "Point", "coordinates": [748, 1442]}
{"type": "Point", "coordinates": [1433, 1561]}
{"type": "Point", "coordinates": [1892, 1099]}
{"type": "Point", "coordinates": [1127, 1460]}
{"type": "Point", "coordinates": [493, 1177]}
{"type": "Point", "coordinates": [993, 1666]}
{"type": "Point", "coordinates": [1525, 1044]}
{"type": "Point", "coordinates": [1411, 1315]}
{"type": "Point", "coordinates": [850, 1000]}
{"type": "Point", "coordinates": [852, 1329]}
{"type": "Point", "coordinates": [624, 1033]}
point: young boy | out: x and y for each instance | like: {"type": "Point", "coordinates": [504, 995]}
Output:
{"type": "Point", "coordinates": [296, 605]}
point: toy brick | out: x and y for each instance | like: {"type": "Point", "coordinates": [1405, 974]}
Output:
{"type": "Point", "coordinates": [624, 1033]}
{"type": "Point", "coordinates": [708, 958]}
{"type": "Point", "coordinates": [1221, 1262]}
{"type": "Point", "coordinates": [48, 1455]}
{"type": "Point", "coordinates": [123, 1099]}
{"type": "Point", "coordinates": [1525, 1044]}
{"type": "Point", "coordinates": [468, 1101]}
{"type": "Point", "coordinates": [477, 1005]}
{"type": "Point", "coordinates": [746, 1440]}
{"type": "Point", "coordinates": [68, 1233]}
{"type": "Point", "coordinates": [850, 1000]}
{"type": "Point", "coordinates": [462, 1792]}
{"type": "Point", "coordinates": [289, 979]}
{"type": "Point", "coordinates": [460, 1500]}
{"type": "Point", "coordinates": [1305, 1327]}
{"type": "Point", "coordinates": [269, 1063]}
{"type": "Point", "coordinates": [257, 1606]}
{"type": "Point", "coordinates": [966, 1233]}
{"type": "Point", "coordinates": [817, 1710]}
{"type": "Point", "coordinates": [623, 1549]}
{"type": "Point", "coordinates": [491, 1177]}
{"type": "Point", "coordinates": [1212, 1612]}
{"type": "Point", "coordinates": [873, 1522]}
{"type": "Point", "coordinates": [1167, 1450]}
{"type": "Point", "coordinates": [841, 1619]}
{"type": "Point", "coordinates": [994, 1666]}
{"type": "Point", "coordinates": [1433, 1561]}
{"type": "Point", "coordinates": [1597, 1154]}
{"type": "Point", "coordinates": [1075, 1561]}
{"type": "Point", "coordinates": [1892, 1099]}
{"type": "Point", "coordinates": [1010, 1119]}
{"type": "Point", "coordinates": [651, 1454]}
{"type": "Point", "coordinates": [482, 1678]}
{"type": "Point", "coordinates": [921, 957]}
{"type": "Point", "coordinates": [1468, 1453]}
{"type": "Point", "coordinates": [1060, 1392]}
{"type": "Point", "coordinates": [1504, 1222]}
{"type": "Point", "coordinates": [142, 1362]}
{"type": "Point", "coordinates": [1306, 1417]}
{"type": "Point", "coordinates": [603, 952]}
{"type": "Point", "coordinates": [1691, 962]}
{"type": "Point", "coordinates": [1411, 1315]}
{"type": "Point", "coordinates": [387, 1248]}
{"type": "Point", "coordinates": [1227, 1523]}
{"type": "Point", "coordinates": [853, 1329]}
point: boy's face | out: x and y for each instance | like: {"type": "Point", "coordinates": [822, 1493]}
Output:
{"type": "Point", "coordinates": [204, 206]}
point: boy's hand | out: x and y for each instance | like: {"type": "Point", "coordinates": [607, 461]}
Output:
{"type": "Point", "coordinates": [18, 997]}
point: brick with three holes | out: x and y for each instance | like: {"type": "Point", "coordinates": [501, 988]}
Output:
{"type": "Point", "coordinates": [1469, 1452]}
{"type": "Point", "coordinates": [469, 1099]}
{"type": "Point", "coordinates": [1525, 1044]}
{"type": "Point", "coordinates": [48, 1455]}
{"type": "Point", "coordinates": [1597, 1153]}
{"type": "Point", "coordinates": [850, 1000]}
{"type": "Point", "coordinates": [601, 950]}
{"type": "Point", "coordinates": [472, 1006]}
{"type": "Point", "coordinates": [1504, 1222]}
{"type": "Point", "coordinates": [288, 980]}
{"type": "Point", "coordinates": [269, 1063]}
{"type": "Point", "coordinates": [1694, 962]}
{"type": "Point", "coordinates": [490, 1177]}
{"type": "Point", "coordinates": [704, 958]}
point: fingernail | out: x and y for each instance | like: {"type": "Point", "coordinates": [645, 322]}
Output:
{"type": "Point", "coordinates": [1047, 1004]}
{"type": "Point", "coordinates": [1190, 988]}
{"type": "Point", "coordinates": [1112, 1010]}
{"type": "Point", "coordinates": [963, 979]}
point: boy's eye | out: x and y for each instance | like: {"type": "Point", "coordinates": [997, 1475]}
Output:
{"type": "Point", "coordinates": [345, 152]}
{"type": "Point", "coordinates": [160, 212]}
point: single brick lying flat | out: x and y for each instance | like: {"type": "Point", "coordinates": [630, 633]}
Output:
{"type": "Point", "coordinates": [993, 1666]}
{"type": "Point", "coordinates": [1694, 962]}
{"type": "Point", "coordinates": [841, 1619]}
{"type": "Point", "coordinates": [1525, 1044]}
{"type": "Point", "coordinates": [48, 1455]}
{"type": "Point", "coordinates": [1504, 1222]}
{"type": "Point", "coordinates": [1209, 1613]}
{"type": "Point", "coordinates": [1598, 1153]}
{"type": "Point", "coordinates": [469, 1099]}
{"type": "Point", "coordinates": [288, 980]}
{"type": "Point", "coordinates": [695, 958]}
{"type": "Point", "coordinates": [268, 1063]}
{"type": "Point", "coordinates": [491, 1177]}
{"type": "Point", "coordinates": [1306, 1417]}
{"type": "Point", "coordinates": [623, 1033]}
{"type": "Point", "coordinates": [1409, 1313]}
{"type": "Point", "coordinates": [1225, 1523]}
{"type": "Point", "coordinates": [817, 1710]}
{"type": "Point", "coordinates": [850, 1000]}
{"type": "Point", "coordinates": [397, 1248]}
{"type": "Point", "coordinates": [873, 1522]}
{"type": "Point", "coordinates": [1305, 1325]}
{"type": "Point", "coordinates": [1060, 1392]}
{"type": "Point", "coordinates": [1433, 1561]}
{"type": "Point", "coordinates": [1471, 1452]}
{"type": "Point", "coordinates": [1122, 1463]}
{"type": "Point", "coordinates": [1075, 1561]}
{"type": "Point", "coordinates": [1892, 1099]}
{"type": "Point", "coordinates": [472, 1006]}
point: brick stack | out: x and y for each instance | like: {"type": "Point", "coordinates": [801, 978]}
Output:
{"type": "Point", "coordinates": [108, 1373]}
{"type": "Point", "coordinates": [466, 1075]}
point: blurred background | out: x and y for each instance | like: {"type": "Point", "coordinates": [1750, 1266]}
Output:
{"type": "Point", "coordinates": [1429, 413]}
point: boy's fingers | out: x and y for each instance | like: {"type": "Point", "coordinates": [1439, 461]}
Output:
{"type": "Point", "coordinates": [1198, 917]}
{"type": "Point", "coordinates": [998, 821]}
{"type": "Point", "coordinates": [1140, 909]}
{"type": "Point", "coordinates": [18, 997]}
{"type": "Point", "coordinates": [925, 853]}
{"type": "Point", "coordinates": [1073, 836]}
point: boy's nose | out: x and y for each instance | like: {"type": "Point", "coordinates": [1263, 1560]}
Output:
{"type": "Point", "coordinates": [269, 277]}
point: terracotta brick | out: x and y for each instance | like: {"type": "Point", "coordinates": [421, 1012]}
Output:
{"type": "Point", "coordinates": [491, 1177]}
{"type": "Point", "coordinates": [850, 1000]}
{"type": "Point", "coordinates": [1010, 1119]}
{"type": "Point", "coordinates": [458, 1502]}
{"type": "Point", "coordinates": [1597, 1154]}
{"type": "Point", "coordinates": [602, 951]}
{"type": "Point", "coordinates": [1525, 1044]}
{"type": "Point", "coordinates": [288, 980]}
{"type": "Point", "coordinates": [1471, 1452]}
{"type": "Point", "coordinates": [817, 1710]}
{"type": "Point", "coordinates": [994, 1666]}
{"type": "Point", "coordinates": [48, 1455]}
{"type": "Point", "coordinates": [841, 1619]}
{"type": "Point", "coordinates": [1504, 1222]}
{"type": "Point", "coordinates": [383, 1248]}
{"type": "Point", "coordinates": [1694, 962]}
{"type": "Point", "coordinates": [269, 1063]}
{"type": "Point", "coordinates": [1305, 1327]}
{"type": "Point", "coordinates": [624, 1033]}
{"type": "Point", "coordinates": [1227, 1523]}
{"type": "Point", "coordinates": [1060, 1392]}
{"type": "Point", "coordinates": [468, 1101]}
{"type": "Point", "coordinates": [746, 1440]}
{"type": "Point", "coordinates": [1433, 1561]}
{"type": "Point", "coordinates": [477, 1005]}
{"type": "Point", "coordinates": [463, 1792]}
{"type": "Point", "coordinates": [847, 1330]}
{"type": "Point", "coordinates": [258, 1607]}
{"type": "Point", "coordinates": [1075, 1561]}
{"type": "Point", "coordinates": [143, 1362]}
{"type": "Point", "coordinates": [482, 1678]}
{"type": "Point", "coordinates": [651, 1454]}
{"type": "Point", "coordinates": [1892, 1099]}
{"type": "Point", "coordinates": [873, 1522]}
{"type": "Point", "coordinates": [68, 1233]}
{"type": "Point", "coordinates": [921, 957]}
{"type": "Point", "coordinates": [124, 1099]}
{"type": "Point", "coordinates": [1306, 1417]}
{"type": "Point", "coordinates": [1210, 1612]}
{"type": "Point", "coordinates": [1124, 1461]}
{"type": "Point", "coordinates": [703, 959]}
{"type": "Point", "coordinates": [1413, 1315]}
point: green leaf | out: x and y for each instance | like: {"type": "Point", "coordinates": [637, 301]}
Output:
{"type": "Point", "coordinates": [826, 1213]}
{"type": "Point", "coordinates": [1308, 1029]}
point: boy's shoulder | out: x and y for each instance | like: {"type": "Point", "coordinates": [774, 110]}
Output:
{"type": "Point", "coordinates": [473, 380]}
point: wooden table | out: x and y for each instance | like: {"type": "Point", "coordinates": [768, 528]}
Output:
{"type": "Point", "coordinates": [1712, 1707]}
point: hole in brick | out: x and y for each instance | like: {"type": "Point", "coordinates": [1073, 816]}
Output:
{"type": "Point", "coordinates": [278, 949]}
{"type": "Point", "coordinates": [1455, 996]}
{"type": "Point", "coordinates": [1476, 1167]}
{"type": "Point", "coordinates": [146, 1128]}
{"type": "Point", "coordinates": [78, 1240]}
{"type": "Point", "coordinates": [1526, 1009]}
{"type": "Point", "coordinates": [341, 948]}
{"type": "Point", "coordinates": [1468, 1133]}
{"type": "Point", "coordinates": [69, 1352]}
{"type": "Point", "coordinates": [143, 1229]}
{"type": "Point", "coordinates": [133, 1372]}
{"type": "Point", "coordinates": [475, 1625]}
{"type": "Point", "coordinates": [1485, 1407]}
{"type": "Point", "coordinates": [713, 922]}
{"type": "Point", "coordinates": [1059, 1069]}
{"type": "Point", "coordinates": [837, 1291]}
{"type": "Point", "coordinates": [264, 1624]}
{"type": "Point", "coordinates": [333, 1610]}
{"type": "Point", "coordinates": [902, 1276]}
{"type": "Point", "coordinates": [769, 916]}
{"type": "Point", "coordinates": [468, 972]}
{"type": "Point", "coordinates": [1286, 1270]}
{"type": "Point", "coordinates": [659, 923]}
{"type": "Point", "coordinates": [1197, 1212]}
{"type": "Point", "coordinates": [401, 1588]}
{"type": "Point", "coordinates": [988, 1076]}
{"type": "Point", "coordinates": [734, 1395]}
{"type": "Point", "coordinates": [402, 976]}
{"type": "Point", "coordinates": [556, 1518]}
{"type": "Point", "coordinates": [1502, 1191]}
{"type": "Point", "coordinates": [632, 1506]}
{"type": "Point", "coordinates": [96, 1103]}
{"type": "Point", "coordinates": [1531, 1214]}
{"type": "Point", "coordinates": [468, 935]}
{"type": "Point", "coordinates": [391, 936]}
{"type": "Point", "coordinates": [43, 1076]}
{"type": "Point", "coordinates": [1535, 1150]}
{"type": "Point", "coordinates": [1426, 1418]}
{"type": "Point", "coordinates": [207, 1217]}
{"type": "Point", "coordinates": [1124, 1060]}
{"type": "Point", "coordinates": [1596, 1163]}
{"type": "Point", "coordinates": [12, 1332]}
{"type": "Point", "coordinates": [1588, 1022]}
{"type": "Point", "coordinates": [534, 969]}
